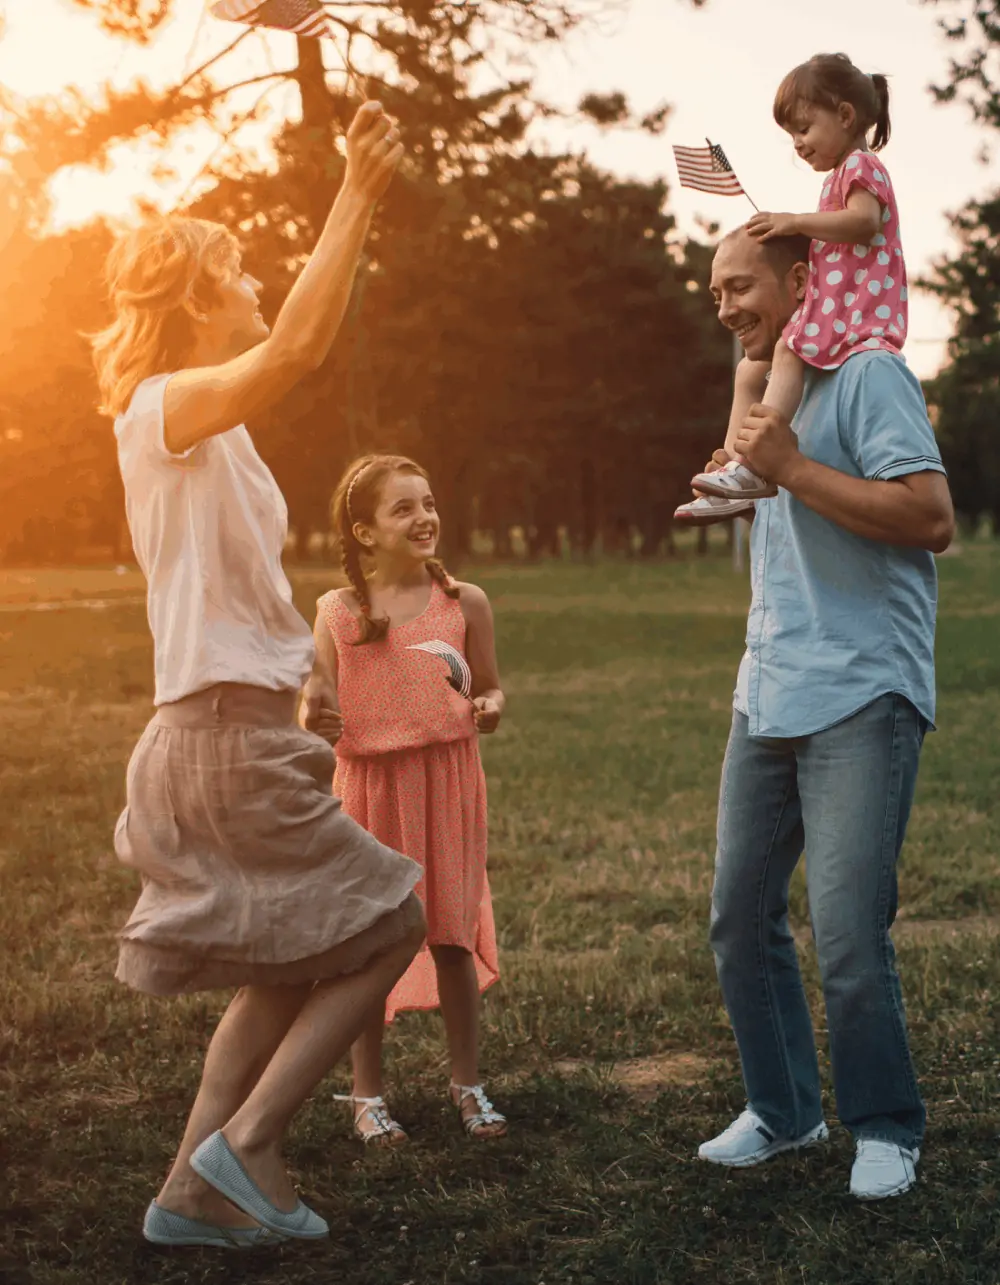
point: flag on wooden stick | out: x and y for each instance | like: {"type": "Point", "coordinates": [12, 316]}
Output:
{"type": "Point", "coordinates": [302, 17]}
{"type": "Point", "coordinates": [707, 169]}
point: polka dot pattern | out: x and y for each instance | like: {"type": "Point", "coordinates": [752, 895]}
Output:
{"type": "Point", "coordinates": [853, 298]}
{"type": "Point", "coordinates": [409, 771]}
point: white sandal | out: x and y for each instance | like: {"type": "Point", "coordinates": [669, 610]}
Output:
{"type": "Point", "coordinates": [486, 1116]}
{"type": "Point", "coordinates": [387, 1132]}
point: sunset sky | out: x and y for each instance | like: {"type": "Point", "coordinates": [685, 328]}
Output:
{"type": "Point", "coordinates": [718, 66]}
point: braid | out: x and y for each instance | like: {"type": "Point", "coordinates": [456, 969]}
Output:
{"type": "Point", "coordinates": [436, 570]}
{"type": "Point", "coordinates": [370, 630]}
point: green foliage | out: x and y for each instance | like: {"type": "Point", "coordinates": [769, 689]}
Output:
{"type": "Point", "coordinates": [531, 328]}
{"type": "Point", "coordinates": [966, 395]}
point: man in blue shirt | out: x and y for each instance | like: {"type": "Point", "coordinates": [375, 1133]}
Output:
{"type": "Point", "coordinates": [833, 698]}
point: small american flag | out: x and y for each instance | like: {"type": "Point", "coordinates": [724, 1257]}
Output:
{"type": "Point", "coordinates": [707, 169]}
{"type": "Point", "coordinates": [303, 17]}
{"type": "Point", "coordinates": [459, 673]}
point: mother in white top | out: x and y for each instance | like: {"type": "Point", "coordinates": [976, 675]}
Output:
{"type": "Point", "coordinates": [252, 875]}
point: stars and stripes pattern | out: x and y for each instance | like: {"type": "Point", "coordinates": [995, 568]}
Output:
{"type": "Point", "coordinates": [460, 675]}
{"type": "Point", "coordinates": [301, 17]}
{"type": "Point", "coordinates": [707, 169]}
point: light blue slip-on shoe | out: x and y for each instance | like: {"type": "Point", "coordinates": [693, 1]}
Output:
{"type": "Point", "coordinates": [215, 1161]}
{"type": "Point", "coordinates": [164, 1227]}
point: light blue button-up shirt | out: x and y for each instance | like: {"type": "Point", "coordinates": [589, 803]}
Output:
{"type": "Point", "coordinates": [837, 620]}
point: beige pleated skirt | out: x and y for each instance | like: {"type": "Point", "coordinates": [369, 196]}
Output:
{"type": "Point", "coordinates": [251, 872]}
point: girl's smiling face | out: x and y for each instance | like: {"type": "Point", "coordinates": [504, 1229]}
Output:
{"type": "Point", "coordinates": [407, 525]}
{"type": "Point", "coordinates": [823, 138]}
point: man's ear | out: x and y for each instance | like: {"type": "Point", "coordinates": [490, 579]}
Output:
{"type": "Point", "coordinates": [800, 278]}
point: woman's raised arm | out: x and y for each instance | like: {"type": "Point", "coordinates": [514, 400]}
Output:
{"type": "Point", "coordinates": [206, 400]}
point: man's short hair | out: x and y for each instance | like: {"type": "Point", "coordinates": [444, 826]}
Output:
{"type": "Point", "coordinates": [782, 252]}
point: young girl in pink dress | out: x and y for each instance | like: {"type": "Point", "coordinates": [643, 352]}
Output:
{"type": "Point", "coordinates": [408, 765]}
{"type": "Point", "coordinates": [855, 298]}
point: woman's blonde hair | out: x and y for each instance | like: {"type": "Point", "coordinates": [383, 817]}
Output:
{"type": "Point", "coordinates": [152, 273]}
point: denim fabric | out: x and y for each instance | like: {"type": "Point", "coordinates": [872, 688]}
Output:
{"type": "Point", "coordinates": [838, 620]}
{"type": "Point", "coordinates": [844, 795]}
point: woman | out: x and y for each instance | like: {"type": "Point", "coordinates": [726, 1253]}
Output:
{"type": "Point", "coordinates": [252, 875]}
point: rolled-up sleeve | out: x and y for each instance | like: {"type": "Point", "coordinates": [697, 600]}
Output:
{"type": "Point", "coordinates": [884, 423]}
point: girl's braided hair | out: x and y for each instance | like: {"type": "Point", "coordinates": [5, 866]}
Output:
{"type": "Point", "coordinates": [827, 80]}
{"type": "Point", "coordinates": [356, 500]}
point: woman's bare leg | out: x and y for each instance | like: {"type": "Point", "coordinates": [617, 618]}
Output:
{"type": "Point", "coordinates": [245, 1040]}
{"type": "Point", "coordinates": [788, 376]}
{"type": "Point", "coordinates": [325, 1027]}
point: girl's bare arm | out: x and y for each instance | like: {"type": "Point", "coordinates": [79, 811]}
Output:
{"type": "Point", "coordinates": [480, 648]}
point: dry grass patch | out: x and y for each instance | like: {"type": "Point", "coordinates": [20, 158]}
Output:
{"type": "Point", "coordinates": [644, 1078]}
{"type": "Point", "coordinates": [921, 930]}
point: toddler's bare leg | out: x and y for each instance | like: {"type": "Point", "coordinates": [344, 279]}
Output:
{"type": "Point", "coordinates": [750, 387]}
{"type": "Point", "coordinates": [788, 374]}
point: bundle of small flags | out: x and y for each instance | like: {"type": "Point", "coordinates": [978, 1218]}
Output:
{"type": "Point", "coordinates": [302, 17]}
{"type": "Point", "coordinates": [459, 674]}
{"type": "Point", "coordinates": [707, 169]}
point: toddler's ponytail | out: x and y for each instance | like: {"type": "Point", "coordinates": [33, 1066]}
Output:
{"type": "Point", "coordinates": [883, 126]}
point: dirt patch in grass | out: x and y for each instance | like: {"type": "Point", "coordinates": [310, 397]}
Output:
{"type": "Point", "coordinates": [928, 929]}
{"type": "Point", "coordinates": [644, 1077]}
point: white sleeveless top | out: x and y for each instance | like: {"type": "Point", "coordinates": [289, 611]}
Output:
{"type": "Point", "coordinates": [208, 528]}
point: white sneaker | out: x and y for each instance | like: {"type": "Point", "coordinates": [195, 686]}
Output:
{"type": "Point", "coordinates": [707, 509]}
{"type": "Point", "coordinates": [734, 481]}
{"type": "Point", "coordinates": [883, 1169]}
{"type": "Point", "coordinates": [748, 1141]}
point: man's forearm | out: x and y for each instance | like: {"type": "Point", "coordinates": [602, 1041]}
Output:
{"type": "Point", "coordinates": [886, 511]}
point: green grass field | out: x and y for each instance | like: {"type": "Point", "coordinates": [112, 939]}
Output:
{"type": "Point", "coordinates": [606, 1043]}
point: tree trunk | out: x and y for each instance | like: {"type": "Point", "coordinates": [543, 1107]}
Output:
{"type": "Point", "coordinates": [319, 114]}
{"type": "Point", "coordinates": [589, 522]}
{"type": "Point", "coordinates": [499, 529]}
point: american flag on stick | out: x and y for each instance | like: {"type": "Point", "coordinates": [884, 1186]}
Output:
{"type": "Point", "coordinates": [707, 169]}
{"type": "Point", "coordinates": [302, 17]}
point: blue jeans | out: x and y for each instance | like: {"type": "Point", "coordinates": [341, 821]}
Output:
{"type": "Point", "coordinates": [844, 795]}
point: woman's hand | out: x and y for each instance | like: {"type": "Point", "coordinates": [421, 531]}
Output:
{"type": "Point", "coordinates": [487, 714]}
{"type": "Point", "coordinates": [373, 152]}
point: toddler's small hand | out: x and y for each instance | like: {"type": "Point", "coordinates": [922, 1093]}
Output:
{"type": "Point", "coordinates": [765, 225]}
{"type": "Point", "coordinates": [487, 715]}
